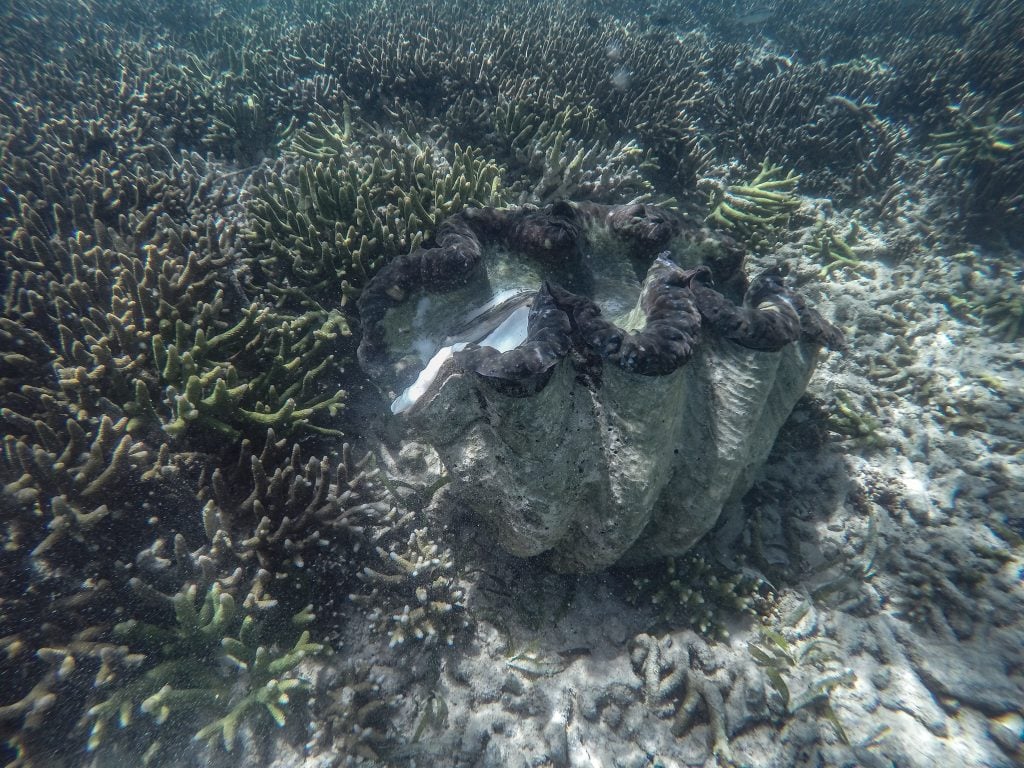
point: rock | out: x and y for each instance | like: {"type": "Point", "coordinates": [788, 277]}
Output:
{"type": "Point", "coordinates": [1007, 731]}
{"type": "Point", "coordinates": [963, 673]}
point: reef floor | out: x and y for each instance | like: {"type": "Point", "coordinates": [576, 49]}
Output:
{"type": "Point", "coordinates": [885, 522]}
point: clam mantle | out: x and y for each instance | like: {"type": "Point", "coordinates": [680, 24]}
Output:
{"type": "Point", "coordinates": [599, 381]}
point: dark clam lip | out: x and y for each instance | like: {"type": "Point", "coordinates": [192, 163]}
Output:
{"type": "Point", "coordinates": [526, 369]}
{"type": "Point", "coordinates": [677, 304]}
{"type": "Point", "coordinates": [560, 321]}
{"type": "Point", "coordinates": [671, 322]}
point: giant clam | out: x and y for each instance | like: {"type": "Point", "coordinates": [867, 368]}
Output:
{"type": "Point", "coordinates": [585, 374]}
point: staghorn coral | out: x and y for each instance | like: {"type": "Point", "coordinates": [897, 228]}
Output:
{"type": "Point", "coordinates": [856, 421]}
{"type": "Point", "coordinates": [508, 54]}
{"type": "Point", "coordinates": [981, 152]}
{"type": "Point", "coordinates": [135, 659]}
{"type": "Point", "coordinates": [204, 390]}
{"type": "Point", "coordinates": [114, 244]}
{"type": "Point", "coordinates": [975, 137]}
{"type": "Point", "coordinates": [843, 119]}
{"type": "Point", "coordinates": [84, 635]}
{"type": "Point", "coordinates": [414, 592]}
{"type": "Point", "coordinates": [756, 210]}
{"type": "Point", "coordinates": [822, 118]}
{"type": "Point", "coordinates": [1004, 314]}
{"type": "Point", "coordinates": [280, 510]}
{"type": "Point", "coordinates": [70, 479]}
{"type": "Point", "coordinates": [835, 250]}
{"type": "Point", "coordinates": [142, 324]}
{"type": "Point", "coordinates": [323, 227]}
{"type": "Point", "coordinates": [562, 153]}
{"type": "Point", "coordinates": [243, 130]}
{"type": "Point", "coordinates": [163, 665]}
{"type": "Point", "coordinates": [177, 669]}
{"type": "Point", "coordinates": [270, 686]}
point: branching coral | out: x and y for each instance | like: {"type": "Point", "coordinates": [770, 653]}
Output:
{"type": "Point", "coordinates": [324, 226]}
{"type": "Point", "coordinates": [270, 684]}
{"type": "Point", "coordinates": [983, 152]}
{"type": "Point", "coordinates": [1003, 313]}
{"type": "Point", "coordinates": [758, 209]}
{"type": "Point", "coordinates": [95, 300]}
{"type": "Point", "coordinates": [695, 592]}
{"type": "Point", "coordinates": [70, 475]}
{"type": "Point", "coordinates": [513, 59]}
{"type": "Point", "coordinates": [280, 510]}
{"type": "Point", "coordinates": [823, 118]}
{"type": "Point", "coordinates": [166, 349]}
{"type": "Point", "coordinates": [357, 718]}
{"type": "Point", "coordinates": [68, 504]}
{"type": "Point", "coordinates": [849, 418]}
{"type": "Point", "coordinates": [200, 374]}
{"type": "Point", "coordinates": [414, 592]}
{"type": "Point", "coordinates": [243, 130]}
{"type": "Point", "coordinates": [128, 357]}
{"type": "Point", "coordinates": [834, 249]}
{"type": "Point", "coordinates": [976, 137]}
{"type": "Point", "coordinates": [566, 154]}
{"type": "Point", "coordinates": [182, 666]}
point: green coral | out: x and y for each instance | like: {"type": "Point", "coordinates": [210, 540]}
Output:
{"type": "Point", "coordinates": [284, 357]}
{"type": "Point", "coordinates": [989, 294]}
{"type": "Point", "coordinates": [756, 210]}
{"type": "Point", "coordinates": [183, 666]}
{"type": "Point", "coordinates": [848, 418]}
{"type": "Point", "coordinates": [563, 153]}
{"type": "Point", "coordinates": [1003, 313]}
{"type": "Point", "coordinates": [355, 199]}
{"type": "Point", "coordinates": [836, 251]}
{"type": "Point", "coordinates": [243, 129]}
{"type": "Point", "coordinates": [269, 685]}
{"type": "Point", "coordinates": [323, 137]}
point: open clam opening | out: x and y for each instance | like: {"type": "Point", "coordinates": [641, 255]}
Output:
{"type": "Point", "coordinates": [493, 309]}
